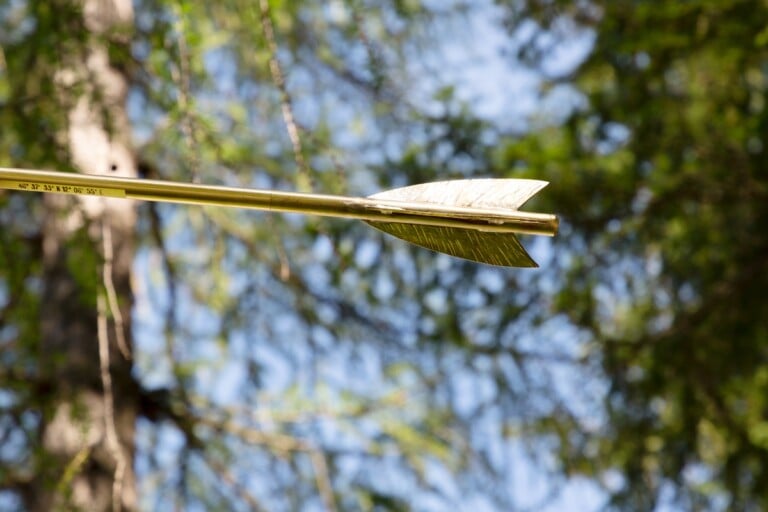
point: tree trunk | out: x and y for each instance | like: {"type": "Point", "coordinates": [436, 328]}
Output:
{"type": "Point", "coordinates": [87, 432]}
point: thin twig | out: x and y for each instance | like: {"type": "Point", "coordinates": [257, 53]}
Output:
{"type": "Point", "coordinates": [113, 445]}
{"type": "Point", "coordinates": [266, 415]}
{"type": "Point", "coordinates": [278, 77]}
{"type": "Point", "coordinates": [73, 468]}
{"type": "Point", "coordinates": [109, 287]}
{"type": "Point", "coordinates": [182, 77]}
{"type": "Point", "coordinates": [323, 479]}
{"type": "Point", "coordinates": [230, 480]}
{"type": "Point", "coordinates": [281, 443]}
{"type": "Point", "coordinates": [294, 132]}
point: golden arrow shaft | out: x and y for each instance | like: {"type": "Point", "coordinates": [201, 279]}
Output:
{"type": "Point", "coordinates": [368, 209]}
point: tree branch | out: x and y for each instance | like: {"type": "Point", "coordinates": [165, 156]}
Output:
{"type": "Point", "coordinates": [278, 77]}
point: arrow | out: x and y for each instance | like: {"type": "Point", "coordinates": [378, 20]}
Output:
{"type": "Point", "coordinates": [474, 219]}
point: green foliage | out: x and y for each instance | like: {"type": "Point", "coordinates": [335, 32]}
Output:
{"type": "Point", "coordinates": [666, 242]}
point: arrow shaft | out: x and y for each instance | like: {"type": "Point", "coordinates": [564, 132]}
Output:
{"type": "Point", "coordinates": [368, 209]}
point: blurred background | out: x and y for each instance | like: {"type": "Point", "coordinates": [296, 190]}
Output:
{"type": "Point", "coordinates": [161, 357]}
